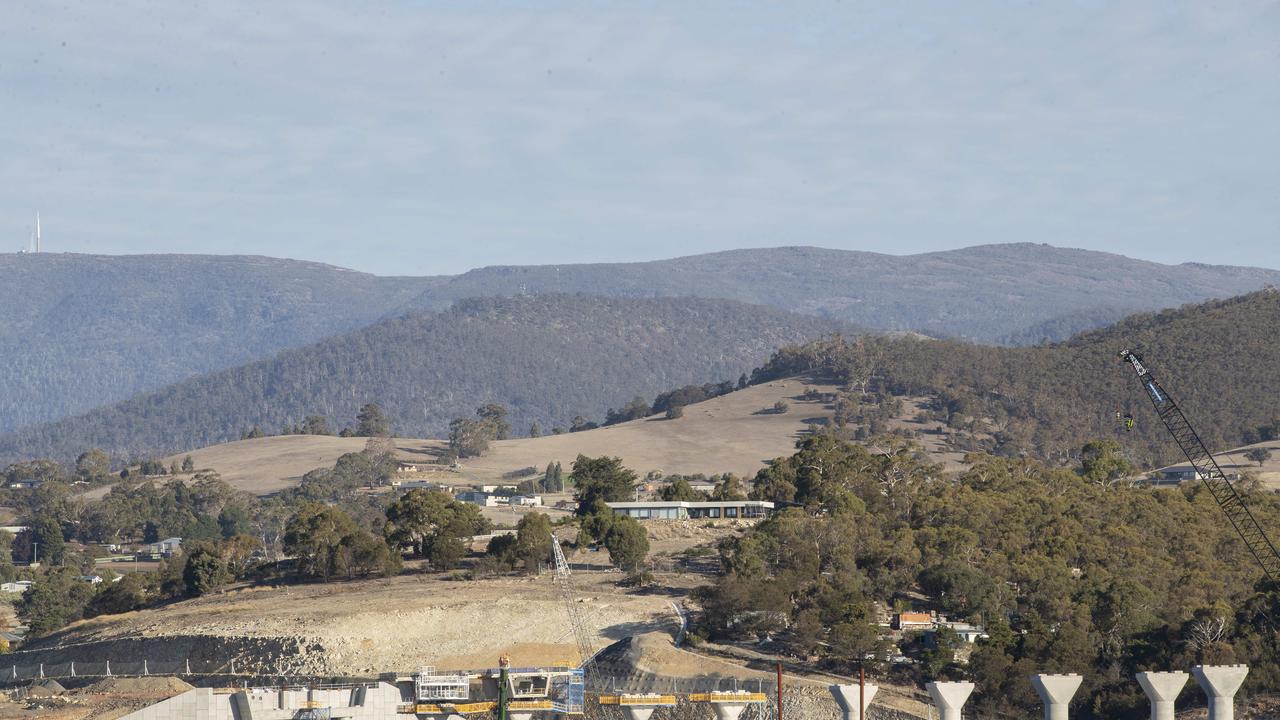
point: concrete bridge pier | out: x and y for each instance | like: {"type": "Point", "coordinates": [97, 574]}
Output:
{"type": "Point", "coordinates": [1056, 692]}
{"type": "Point", "coordinates": [1162, 689]}
{"type": "Point", "coordinates": [949, 697]}
{"type": "Point", "coordinates": [1221, 683]}
{"type": "Point", "coordinates": [847, 698]}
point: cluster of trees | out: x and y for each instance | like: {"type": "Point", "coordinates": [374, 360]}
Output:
{"type": "Point", "coordinates": [1069, 572]}
{"type": "Point", "coordinates": [603, 480]}
{"type": "Point", "coordinates": [528, 549]}
{"type": "Point", "coordinates": [679, 487]}
{"type": "Point", "coordinates": [1051, 400]}
{"type": "Point", "coordinates": [469, 437]}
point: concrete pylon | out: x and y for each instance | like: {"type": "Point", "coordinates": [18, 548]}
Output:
{"type": "Point", "coordinates": [847, 698]}
{"type": "Point", "coordinates": [1056, 692]}
{"type": "Point", "coordinates": [1221, 683]}
{"type": "Point", "coordinates": [726, 711]}
{"type": "Point", "coordinates": [1162, 689]}
{"type": "Point", "coordinates": [949, 697]}
{"type": "Point", "coordinates": [638, 713]}
{"type": "Point", "coordinates": [520, 715]}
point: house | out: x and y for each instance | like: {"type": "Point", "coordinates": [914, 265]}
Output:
{"type": "Point", "coordinates": [408, 467]}
{"type": "Point", "coordinates": [165, 547]}
{"type": "Point", "coordinates": [494, 488]}
{"type": "Point", "coordinates": [13, 529]}
{"type": "Point", "coordinates": [17, 586]}
{"type": "Point", "coordinates": [912, 621]}
{"type": "Point", "coordinates": [92, 579]}
{"type": "Point", "coordinates": [680, 509]}
{"type": "Point", "coordinates": [968, 632]}
{"type": "Point", "coordinates": [26, 484]}
{"type": "Point", "coordinates": [475, 497]}
{"type": "Point", "coordinates": [415, 485]}
{"type": "Point", "coordinates": [526, 500]}
{"type": "Point", "coordinates": [1175, 474]}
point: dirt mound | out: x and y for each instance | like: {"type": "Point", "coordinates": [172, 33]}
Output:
{"type": "Point", "coordinates": [151, 685]}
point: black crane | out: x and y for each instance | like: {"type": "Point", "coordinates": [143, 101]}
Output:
{"type": "Point", "coordinates": [1231, 502]}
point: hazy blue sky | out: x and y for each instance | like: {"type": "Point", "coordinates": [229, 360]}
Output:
{"type": "Point", "coordinates": [422, 138]}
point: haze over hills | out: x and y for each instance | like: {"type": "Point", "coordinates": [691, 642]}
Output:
{"type": "Point", "coordinates": [78, 331]}
{"type": "Point", "coordinates": [82, 331]}
{"type": "Point", "coordinates": [1023, 293]}
{"type": "Point", "coordinates": [547, 358]}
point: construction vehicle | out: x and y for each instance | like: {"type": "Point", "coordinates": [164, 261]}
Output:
{"type": "Point", "coordinates": [1206, 468]}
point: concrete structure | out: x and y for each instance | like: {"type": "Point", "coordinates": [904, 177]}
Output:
{"type": "Point", "coordinates": [681, 509]}
{"type": "Point", "coordinates": [526, 500]}
{"type": "Point", "coordinates": [949, 698]}
{"type": "Point", "coordinates": [847, 698]}
{"type": "Point", "coordinates": [1162, 689]}
{"type": "Point", "coordinates": [638, 707]}
{"type": "Point", "coordinates": [729, 705]}
{"type": "Point", "coordinates": [358, 702]}
{"type": "Point", "coordinates": [1221, 683]}
{"type": "Point", "coordinates": [17, 586]}
{"type": "Point", "coordinates": [1056, 692]}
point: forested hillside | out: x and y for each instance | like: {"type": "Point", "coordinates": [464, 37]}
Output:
{"type": "Point", "coordinates": [1020, 293]}
{"type": "Point", "coordinates": [547, 358]}
{"type": "Point", "coordinates": [1219, 360]}
{"type": "Point", "coordinates": [79, 331]}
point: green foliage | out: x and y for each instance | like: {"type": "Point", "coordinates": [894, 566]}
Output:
{"type": "Point", "coordinates": [433, 524]}
{"type": "Point", "coordinates": [93, 465]}
{"type": "Point", "coordinates": [1258, 455]}
{"type": "Point", "coordinates": [328, 542]}
{"type": "Point", "coordinates": [627, 543]}
{"type": "Point", "coordinates": [471, 437]}
{"type": "Point", "coordinates": [1069, 575]}
{"type": "Point", "coordinates": [205, 571]}
{"type": "Point", "coordinates": [680, 490]}
{"type": "Point", "coordinates": [126, 595]}
{"type": "Point", "coordinates": [373, 422]}
{"type": "Point", "coordinates": [573, 353]}
{"type": "Point", "coordinates": [57, 598]}
{"type": "Point", "coordinates": [1051, 400]}
{"type": "Point", "coordinates": [601, 479]}
{"type": "Point", "coordinates": [1101, 462]}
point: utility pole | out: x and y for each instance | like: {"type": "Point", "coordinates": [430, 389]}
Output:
{"type": "Point", "coordinates": [35, 552]}
{"type": "Point", "coordinates": [862, 691]}
{"type": "Point", "coordinates": [779, 669]}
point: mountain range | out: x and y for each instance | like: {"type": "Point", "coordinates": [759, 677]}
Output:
{"type": "Point", "coordinates": [79, 332]}
{"type": "Point", "coordinates": [546, 358]}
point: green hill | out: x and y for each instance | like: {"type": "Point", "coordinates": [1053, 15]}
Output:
{"type": "Point", "coordinates": [548, 358]}
{"type": "Point", "coordinates": [1220, 360]}
{"type": "Point", "coordinates": [82, 331]}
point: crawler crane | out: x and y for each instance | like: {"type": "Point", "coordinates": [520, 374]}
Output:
{"type": "Point", "coordinates": [1228, 498]}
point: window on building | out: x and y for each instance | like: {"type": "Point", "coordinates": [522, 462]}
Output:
{"type": "Point", "coordinates": [731, 512]}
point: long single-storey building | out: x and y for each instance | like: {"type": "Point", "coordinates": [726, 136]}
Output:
{"type": "Point", "coordinates": [682, 509]}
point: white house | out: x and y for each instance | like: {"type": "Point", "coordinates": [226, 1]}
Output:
{"type": "Point", "coordinates": [165, 547]}
{"type": "Point", "coordinates": [680, 509]}
{"type": "Point", "coordinates": [483, 499]}
{"type": "Point", "coordinates": [526, 500]}
{"type": "Point", "coordinates": [16, 586]}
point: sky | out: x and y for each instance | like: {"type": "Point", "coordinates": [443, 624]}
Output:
{"type": "Point", "coordinates": [427, 138]}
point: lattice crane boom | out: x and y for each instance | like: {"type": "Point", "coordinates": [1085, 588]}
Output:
{"type": "Point", "coordinates": [1228, 498]}
{"type": "Point", "coordinates": [564, 579]}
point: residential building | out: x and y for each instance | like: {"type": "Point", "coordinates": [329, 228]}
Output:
{"type": "Point", "coordinates": [913, 621]}
{"type": "Point", "coordinates": [526, 500]}
{"type": "Point", "coordinates": [476, 497]}
{"type": "Point", "coordinates": [165, 547]}
{"type": "Point", "coordinates": [680, 509]}
{"type": "Point", "coordinates": [17, 586]}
